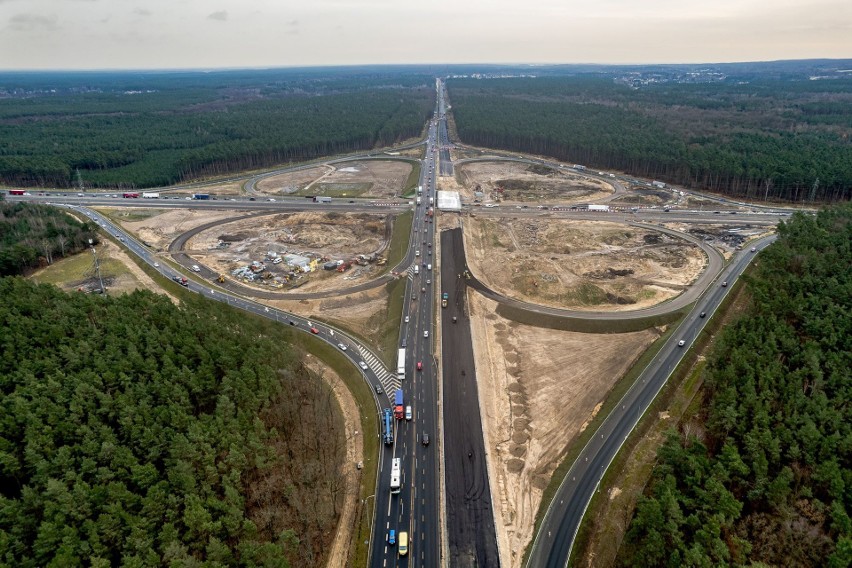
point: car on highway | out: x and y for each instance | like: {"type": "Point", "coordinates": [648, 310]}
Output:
{"type": "Point", "coordinates": [407, 319]}
{"type": "Point", "coordinates": [681, 343]}
{"type": "Point", "coordinates": [753, 249]}
{"type": "Point", "coordinates": [379, 389]}
{"type": "Point", "coordinates": [725, 284]}
{"type": "Point", "coordinates": [391, 537]}
{"type": "Point", "coordinates": [292, 322]}
{"type": "Point", "coordinates": [424, 439]}
{"type": "Point", "coordinates": [417, 253]}
{"type": "Point", "coordinates": [156, 265]}
{"type": "Point", "coordinates": [425, 333]}
{"type": "Point", "coordinates": [362, 364]}
{"type": "Point", "coordinates": [314, 330]}
{"type": "Point", "coordinates": [420, 365]}
{"type": "Point", "coordinates": [341, 346]}
{"type": "Point", "coordinates": [702, 314]}
{"type": "Point", "coordinates": [428, 281]}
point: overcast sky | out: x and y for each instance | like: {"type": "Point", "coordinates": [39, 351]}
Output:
{"type": "Point", "coordinates": [92, 34]}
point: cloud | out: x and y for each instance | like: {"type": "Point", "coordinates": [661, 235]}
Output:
{"type": "Point", "coordinates": [142, 12]}
{"type": "Point", "coordinates": [292, 27]}
{"type": "Point", "coordinates": [32, 22]}
{"type": "Point", "coordinates": [220, 16]}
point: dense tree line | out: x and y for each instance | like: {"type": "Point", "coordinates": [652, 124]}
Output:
{"type": "Point", "coordinates": [137, 433]}
{"type": "Point", "coordinates": [157, 138]}
{"type": "Point", "coordinates": [763, 475]}
{"type": "Point", "coordinates": [34, 235]}
{"type": "Point", "coordinates": [787, 140]}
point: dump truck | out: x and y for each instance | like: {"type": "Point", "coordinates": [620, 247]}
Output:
{"type": "Point", "coordinates": [398, 406]}
{"type": "Point", "coordinates": [444, 299]}
{"type": "Point", "coordinates": [220, 279]}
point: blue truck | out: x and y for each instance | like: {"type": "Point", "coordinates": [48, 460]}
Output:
{"type": "Point", "coordinates": [387, 426]}
{"type": "Point", "coordinates": [201, 196]}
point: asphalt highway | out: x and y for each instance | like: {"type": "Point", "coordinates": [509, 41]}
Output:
{"type": "Point", "coordinates": [416, 508]}
{"type": "Point", "coordinates": [555, 539]}
{"type": "Point", "coordinates": [471, 533]}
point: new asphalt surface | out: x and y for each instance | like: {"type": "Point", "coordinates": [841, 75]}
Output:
{"type": "Point", "coordinates": [471, 535]}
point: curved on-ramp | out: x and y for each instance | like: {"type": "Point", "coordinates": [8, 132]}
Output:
{"type": "Point", "coordinates": [176, 249]}
{"type": "Point", "coordinates": [715, 263]}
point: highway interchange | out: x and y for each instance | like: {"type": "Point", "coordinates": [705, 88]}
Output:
{"type": "Point", "coordinates": [426, 507]}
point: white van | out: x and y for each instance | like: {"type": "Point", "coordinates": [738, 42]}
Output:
{"type": "Point", "coordinates": [402, 543]}
{"type": "Point", "coordinates": [428, 267]}
{"type": "Point", "coordinates": [416, 269]}
{"type": "Point", "coordinates": [408, 412]}
{"type": "Point", "coordinates": [196, 268]}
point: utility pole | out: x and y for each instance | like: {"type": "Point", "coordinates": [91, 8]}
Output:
{"type": "Point", "coordinates": [97, 267]}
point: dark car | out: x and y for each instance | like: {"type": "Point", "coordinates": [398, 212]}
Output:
{"type": "Point", "coordinates": [425, 439]}
{"type": "Point", "coordinates": [702, 314]}
{"type": "Point", "coordinates": [379, 389]}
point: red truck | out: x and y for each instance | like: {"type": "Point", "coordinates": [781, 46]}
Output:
{"type": "Point", "coordinates": [398, 408]}
{"type": "Point", "coordinates": [130, 195]}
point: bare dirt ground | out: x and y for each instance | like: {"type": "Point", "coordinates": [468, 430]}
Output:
{"type": "Point", "coordinates": [517, 183]}
{"type": "Point", "coordinates": [727, 238]}
{"type": "Point", "coordinates": [326, 235]}
{"type": "Point", "coordinates": [580, 264]}
{"type": "Point", "coordinates": [538, 388]}
{"type": "Point", "coordinates": [290, 182]}
{"type": "Point", "coordinates": [161, 229]}
{"type": "Point", "coordinates": [119, 273]}
{"type": "Point", "coordinates": [369, 178]}
{"type": "Point", "coordinates": [364, 313]}
{"type": "Point", "coordinates": [340, 546]}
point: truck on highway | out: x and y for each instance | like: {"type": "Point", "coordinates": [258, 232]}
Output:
{"type": "Point", "coordinates": [201, 196]}
{"type": "Point", "coordinates": [419, 190]}
{"type": "Point", "coordinates": [387, 427]}
{"type": "Point", "coordinates": [602, 208]}
{"type": "Point", "coordinates": [418, 201]}
{"type": "Point", "coordinates": [444, 299]}
{"type": "Point", "coordinates": [130, 195]}
{"type": "Point", "coordinates": [17, 192]}
{"type": "Point", "coordinates": [431, 201]}
{"type": "Point", "coordinates": [321, 199]}
{"type": "Point", "coordinates": [150, 195]}
{"type": "Point", "coordinates": [395, 475]}
{"type": "Point", "coordinates": [398, 406]}
{"type": "Point", "coordinates": [400, 365]}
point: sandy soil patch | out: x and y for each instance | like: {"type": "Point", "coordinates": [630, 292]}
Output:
{"type": "Point", "coordinates": [290, 182]}
{"type": "Point", "coordinates": [161, 229]}
{"type": "Point", "coordinates": [513, 182]}
{"type": "Point", "coordinates": [580, 264]}
{"type": "Point", "coordinates": [368, 178]}
{"type": "Point", "coordinates": [362, 312]}
{"type": "Point", "coordinates": [340, 546]}
{"type": "Point", "coordinates": [119, 273]}
{"type": "Point", "coordinates": [325, 236]}
{"type": "Point", "coordinates": [537, 387]}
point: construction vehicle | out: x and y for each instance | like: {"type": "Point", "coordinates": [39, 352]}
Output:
{"type": "Point", "coordinates": [444, 298]}
{"type": "Point", "coordinates": [221, 279]}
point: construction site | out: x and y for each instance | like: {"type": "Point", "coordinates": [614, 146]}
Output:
{"type": "Point", "coordinates": [539, 388]}
{"type": "Point", "coordinates": [310, 251]}
{"type": "Point", "coordinates": [521, 183]}
{"type": "Point", "coordinates": [592, 265]}
{"type": "Point", "coordinates": [378, 179]}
